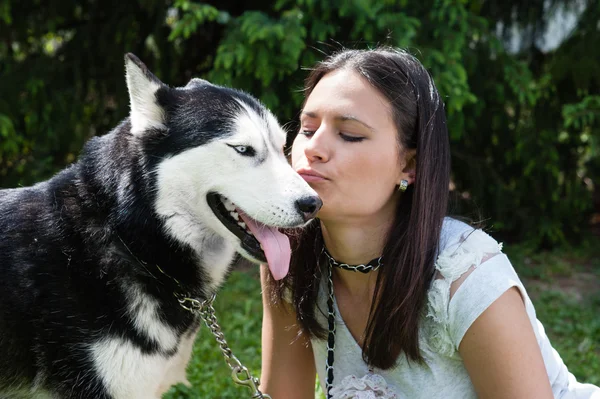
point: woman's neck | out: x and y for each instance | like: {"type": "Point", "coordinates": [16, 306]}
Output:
{"type": "Point", "coordinates": [355, 244]}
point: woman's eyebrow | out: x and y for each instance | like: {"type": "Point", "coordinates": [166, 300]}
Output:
{"type": "Point", "coordinates": [342, 118]}
{"type": "Point", "coordinates": [351, 118]}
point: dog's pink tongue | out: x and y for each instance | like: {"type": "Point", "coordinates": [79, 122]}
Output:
{"type": "Point", "coordinates": [275, 245]}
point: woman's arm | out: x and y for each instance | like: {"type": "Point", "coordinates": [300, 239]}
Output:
{"type": "Point", "coordinates": [501, 353]}
{"type": "Point", "coordinates": [288, 368]}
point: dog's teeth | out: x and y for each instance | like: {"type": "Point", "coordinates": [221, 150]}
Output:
{"type": "Point", "coordinates": [234, 215]}
{"type": "Point", "coordinates": [242, 225]}
{"type": "Point", "coordinates": [229, 205]}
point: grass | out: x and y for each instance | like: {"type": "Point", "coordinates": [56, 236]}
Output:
{"type": "Point", "coordinates": [563, 284]}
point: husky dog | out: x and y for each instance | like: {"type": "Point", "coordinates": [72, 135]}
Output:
{"type": "Point", "coordinates": [93, 260]}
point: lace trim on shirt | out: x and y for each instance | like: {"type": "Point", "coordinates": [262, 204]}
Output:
{"type": "Point", "coordinates": [452, 263]}
{"type": "Point", "coordinates": [371, 386]}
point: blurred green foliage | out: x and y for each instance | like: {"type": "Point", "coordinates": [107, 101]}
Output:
{"type": "Point", "coordinates": [524, 120]}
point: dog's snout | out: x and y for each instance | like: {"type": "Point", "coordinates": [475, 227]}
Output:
{"type": "Point", "coordinates": [309, 206]}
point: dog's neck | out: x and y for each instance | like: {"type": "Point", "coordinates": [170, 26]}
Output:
{"type": "Point", "coordinates": [120, 197]}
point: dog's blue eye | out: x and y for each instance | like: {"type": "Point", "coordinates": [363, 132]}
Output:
{"type": "Point", "coordinates": [244, 150]}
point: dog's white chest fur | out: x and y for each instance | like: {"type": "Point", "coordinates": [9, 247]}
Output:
{"type": "Point", "coordinates": [126, 370]}
{"type": "Point", "coordinates": [130, 374]}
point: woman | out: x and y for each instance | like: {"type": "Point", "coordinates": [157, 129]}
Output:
{"type": "Point", "coordinates": [385, 294]}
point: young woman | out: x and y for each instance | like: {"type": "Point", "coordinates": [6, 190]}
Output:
{"type": "Point", "coordinates": [387, 297]}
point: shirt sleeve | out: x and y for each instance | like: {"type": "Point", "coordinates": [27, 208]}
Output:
{"type": "Point", "coordinates": [486, 283]}
{"type": "Point", "coordinates": [490, 275]}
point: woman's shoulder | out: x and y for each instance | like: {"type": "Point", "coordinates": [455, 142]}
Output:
{"type": "Point", "coordinates": [462, 247]}
{"type": "Point", "coordinates": [455, 232]}
{"type": "Point", "coordinates": [471, 273]}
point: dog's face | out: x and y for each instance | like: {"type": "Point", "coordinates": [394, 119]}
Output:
{"type": "Point", "coordinates": [220, 166]}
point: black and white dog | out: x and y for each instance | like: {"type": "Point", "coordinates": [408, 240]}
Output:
{"type": "Point", "coordinates": [92, 260]}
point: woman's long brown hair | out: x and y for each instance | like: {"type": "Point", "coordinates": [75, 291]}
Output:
{"type": "Point", "coordinates": [411, 246]}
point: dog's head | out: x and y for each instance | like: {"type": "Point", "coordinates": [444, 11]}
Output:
{"type": "Point", "coordinates": [219, 166]}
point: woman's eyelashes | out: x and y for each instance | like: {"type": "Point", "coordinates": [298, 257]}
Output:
{"type": "Point", "coordinates": [351, 139]}
{"type": "Point", "coordinates": [346, 137]}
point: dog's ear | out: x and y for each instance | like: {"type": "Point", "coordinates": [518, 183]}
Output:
{"type": "Point", "coordinates": [196, 82]}
{"type": "Point", "coordinates": [142, 85]}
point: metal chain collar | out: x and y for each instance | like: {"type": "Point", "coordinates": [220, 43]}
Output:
{"type": "Point", "coordinates": [369, 267]}
{"type": "Point", "coordinates": [239, 373]}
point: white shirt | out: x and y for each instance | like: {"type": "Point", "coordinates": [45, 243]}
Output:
{"type": "Point", "coordinates": [444, 323]}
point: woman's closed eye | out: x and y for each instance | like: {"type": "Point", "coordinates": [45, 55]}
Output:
{"type": "Point", "coordinates": [346, 137]}
{"type": "Point", "coordinates": [350, 138]}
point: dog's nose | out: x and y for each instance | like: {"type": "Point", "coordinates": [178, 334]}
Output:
{"type": "Point", "coordinates": [309, 206]}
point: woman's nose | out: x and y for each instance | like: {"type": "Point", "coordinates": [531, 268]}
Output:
{"type": "Point", "coordinates": [317, 147]}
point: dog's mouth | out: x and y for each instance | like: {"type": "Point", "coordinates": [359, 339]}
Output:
{"type": "Point", "coordinates": [229, 215]}
{"type": "Point", "coordinates": [263, 243]}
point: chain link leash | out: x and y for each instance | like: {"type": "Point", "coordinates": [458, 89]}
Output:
{"type": "Point", "coordinates": [331, 333]}
{"type": "Point", "coordinates": [239, 373]}
{"type": "Point", "coordinates": [331, 316]}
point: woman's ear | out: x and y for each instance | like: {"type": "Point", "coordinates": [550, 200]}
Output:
{"type": "Point", "coordinates": [409, 170]}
